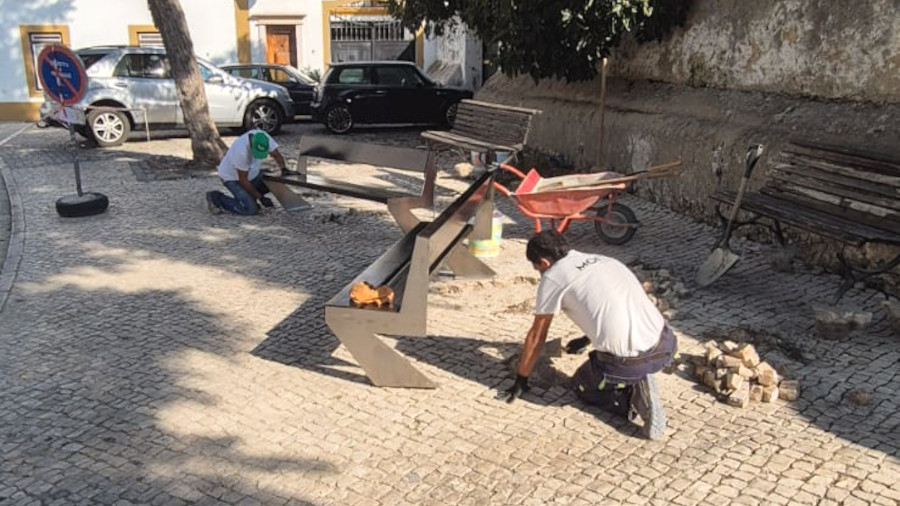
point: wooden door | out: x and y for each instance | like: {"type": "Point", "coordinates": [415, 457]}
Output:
{"type": "Point", "coordinates": [281, 45]}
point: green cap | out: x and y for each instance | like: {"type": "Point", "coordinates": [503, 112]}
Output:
{"type": "Point", "coordinates": [259, 145]}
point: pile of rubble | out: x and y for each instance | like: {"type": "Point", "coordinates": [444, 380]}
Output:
{"type": "Point", "coordinates": [736, 373]}
{"type": "Point", "coordinates": [664, 289]}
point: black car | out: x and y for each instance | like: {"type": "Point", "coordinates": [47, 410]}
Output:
{"type": "Point", "coordinates": [299, 85]}
{"type": "Point", "coordinates": [382, 92]}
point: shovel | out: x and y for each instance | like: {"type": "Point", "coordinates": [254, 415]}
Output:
{"type": "Point", "coordinates": [722, 258]}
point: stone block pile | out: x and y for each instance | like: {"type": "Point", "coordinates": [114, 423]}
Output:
{"type": "Point", "coordinates": [738, 375]}
{"type": "Point", "coordinates": [664, 289]}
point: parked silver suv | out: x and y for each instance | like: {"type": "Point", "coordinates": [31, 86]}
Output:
{"type": "Point", "coordinates": [123, 82]}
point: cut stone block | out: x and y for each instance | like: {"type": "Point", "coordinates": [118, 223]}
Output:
{"type": "Point", "coordinates": [770, 393]}
{"type": "Point", "coordinates": [766, 375]}
{"type": "Point", "coordinates": [729, 346]}
{"type": "Point", "coordinates": [745, 372]}
{"type": "Point", "coordinates": [700, 372]}
{"type": "Point", "coordinates": [756, 393]}
{"type": "Point", "coordinates": [860, 397]}
{"type": "Point", "coordinates": [747, 353]}
{"type": "Point", "coordinates": [733, 381]}
{"type": "Point", "coordinates": [892, 308]}
{"type": "Point", "coordinates": [710, 380]}
{"type": "Point", "coordinates": [835, 324]}
{"type": "Point", "coordinates": [789, 390]}
{"type": "Point", "coordinates": [729, 362]}
{"type": "Point", "coordinates": [712, 354]}
{"type": "Point", "coordinates": [741, 397]}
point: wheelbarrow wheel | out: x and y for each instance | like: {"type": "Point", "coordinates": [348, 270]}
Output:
{"type": "Point", "coordinates": [615, 229]}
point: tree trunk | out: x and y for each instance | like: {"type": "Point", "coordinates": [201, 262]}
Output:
{"type": "Point", "coordinates": [206, 144]}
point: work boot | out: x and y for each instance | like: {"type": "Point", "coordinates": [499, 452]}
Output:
{"type": "Point", "coordinates": [646, 403]}
{"type": "Point", "coordinates": [211, 203]}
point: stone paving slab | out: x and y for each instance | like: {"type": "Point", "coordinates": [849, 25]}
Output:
{"type": "Point", "coordinates": [156, 354]}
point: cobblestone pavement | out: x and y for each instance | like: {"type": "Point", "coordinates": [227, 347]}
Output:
{"type": "Point", "coordinates": [157, 354]}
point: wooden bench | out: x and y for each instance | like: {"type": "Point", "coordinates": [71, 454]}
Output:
{"type": "Point", "coordinates": [487, 128]}
{"type": "Point", "coordinates": [400, 202]}
{"type": "Point", "coordinates": [406, 267]}
{"type": "Point", "coordinates": [848, 195]}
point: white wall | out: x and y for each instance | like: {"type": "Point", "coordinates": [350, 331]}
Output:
{"type": "Point", "coordinates": [96, 22]}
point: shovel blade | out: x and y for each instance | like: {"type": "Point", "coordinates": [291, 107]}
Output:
{"type": "Point", "coordinates": [717, 263]}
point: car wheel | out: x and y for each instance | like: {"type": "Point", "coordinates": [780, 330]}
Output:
{"type": "Point", "coordinates": [338, 119]}
{"type": "Point", "coordinates": [265, 115]}
{"type": "Point", "coordinates": [86, 204]}
{"type": "Point", "coordinates": [450, 113]}
{"type": "Point", "coordinates": [108, 127]}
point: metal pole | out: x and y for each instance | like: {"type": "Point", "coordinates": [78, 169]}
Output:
{"type": "Point", "coordinates": [74, 152]}
{"type": "Point", "coordinates": [602, 107]}
{"type": "Point", "coordinates": [146, 122]}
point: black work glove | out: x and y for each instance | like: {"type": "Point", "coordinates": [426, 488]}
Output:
{"type": "Point", "coordinates": [518, 388]}
{"type": "Point", "coordinates": [577, 345]}
{"type": "Point", "coordinates": [266, 201]}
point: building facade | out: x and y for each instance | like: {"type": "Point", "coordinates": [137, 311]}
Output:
{"type": "Point", "coordinates": [303, 33]}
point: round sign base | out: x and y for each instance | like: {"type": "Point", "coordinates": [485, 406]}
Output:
{"type": "Point", "coordinates": [86, 204]}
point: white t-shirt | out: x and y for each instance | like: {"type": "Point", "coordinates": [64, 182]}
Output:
{"type": "Point", "coordinates": [605, 299]}
{"type": "Point", "coordinates": [239, 157]}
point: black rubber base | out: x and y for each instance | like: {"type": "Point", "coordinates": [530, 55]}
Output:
{"type": "Point", "coordinates": [87, 204]}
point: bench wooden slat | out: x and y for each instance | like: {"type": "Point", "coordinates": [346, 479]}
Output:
{"type": "Point", "coordinates": [875, 161]}
{"type": "Point", "coordinates": [497, 131]}
{"type": "Point", "coordinates": [849, 171]}
{"type": "Point", "coordinates": [887, 224]}
{"type": "Point", "coordinates": [838, 194]}
{"type": "Point", "coordinates": [838, 177]}
{"type": "Point", "coordinates": [487, 123]}
{"type": "Point", "coordinates": [481, 126]}
{"type": "Point", "coordinates": [494, 107]}
{"type": "Point", "coordinates": [812, 219]}
{"type": "Point", "coordinates": [465, 142]}
{"type": "Point", "coordinates": [512, 119]}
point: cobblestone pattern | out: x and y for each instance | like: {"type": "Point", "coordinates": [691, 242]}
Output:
{"type": "Point", "coordinates": [156, 354]}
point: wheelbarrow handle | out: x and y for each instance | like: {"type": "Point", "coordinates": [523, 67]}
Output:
{"type": "Point", "coordinates": [510, 168]}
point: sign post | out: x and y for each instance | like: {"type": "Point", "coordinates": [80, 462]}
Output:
{"type": "Point", "coordinates": [64, 80]}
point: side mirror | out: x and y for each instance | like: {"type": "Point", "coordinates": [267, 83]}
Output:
{"type": "Point", "coordinates": [215, 79]}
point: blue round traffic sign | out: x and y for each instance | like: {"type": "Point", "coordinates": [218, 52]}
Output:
{"type": "Point", "coordinates": [61, 74]}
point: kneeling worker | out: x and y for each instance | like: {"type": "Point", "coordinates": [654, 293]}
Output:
{"type": "Point", "coordinates": [240, 172]}
{"type": "Point", "coordinates": [607, 302]}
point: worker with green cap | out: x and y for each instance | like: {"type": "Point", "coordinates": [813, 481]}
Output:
{"type": "Point", "coordinates": [240, 172]}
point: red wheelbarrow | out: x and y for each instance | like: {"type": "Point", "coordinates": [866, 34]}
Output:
{"type": "Point", "coordinates": [591, 197]}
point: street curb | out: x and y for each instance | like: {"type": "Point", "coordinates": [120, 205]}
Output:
{"type": "Point", "coordinates": [16, 246]}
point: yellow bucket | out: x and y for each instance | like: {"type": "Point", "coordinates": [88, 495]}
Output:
{"type": "Point", "coordinates": [484, 248]}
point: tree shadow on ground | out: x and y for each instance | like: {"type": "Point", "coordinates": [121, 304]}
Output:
{"type": "Point", "coordinates": [111, 388]}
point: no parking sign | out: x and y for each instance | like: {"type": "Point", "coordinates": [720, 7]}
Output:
{"type": "Point", "coordinates": [61, 74]}
{"type": "Point", "coordinates": [64, 81]}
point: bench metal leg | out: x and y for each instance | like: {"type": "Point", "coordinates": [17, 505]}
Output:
{"type": "Point", "coordinates": [853, 274]}
{"type": "Point", "coordinates": [464, 264]}
{"type": "Point", "coordinates": [382, 364]}
{"type": "Point", "coordinates": [289, 200]}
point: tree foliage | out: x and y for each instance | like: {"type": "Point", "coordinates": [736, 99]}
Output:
{"type": "Point", "coordinates": [547, 38]}
{"type": "Point", "coordinates": [206, 144]}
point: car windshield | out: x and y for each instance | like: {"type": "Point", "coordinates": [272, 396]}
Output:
{"type": "Point", "coordinates": [300, 76]}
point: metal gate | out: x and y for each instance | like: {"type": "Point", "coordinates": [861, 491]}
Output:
{"type": "Point", "coordinates": [366, 38]}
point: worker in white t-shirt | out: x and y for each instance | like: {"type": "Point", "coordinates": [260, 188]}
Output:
{"type": "Point", "coordinates": [240, 172]}
{"type": "Point", "coordinates": [606, 301]}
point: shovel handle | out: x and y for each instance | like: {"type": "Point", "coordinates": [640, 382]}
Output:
{"type": "Point", "coordinates": [753, 154]}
